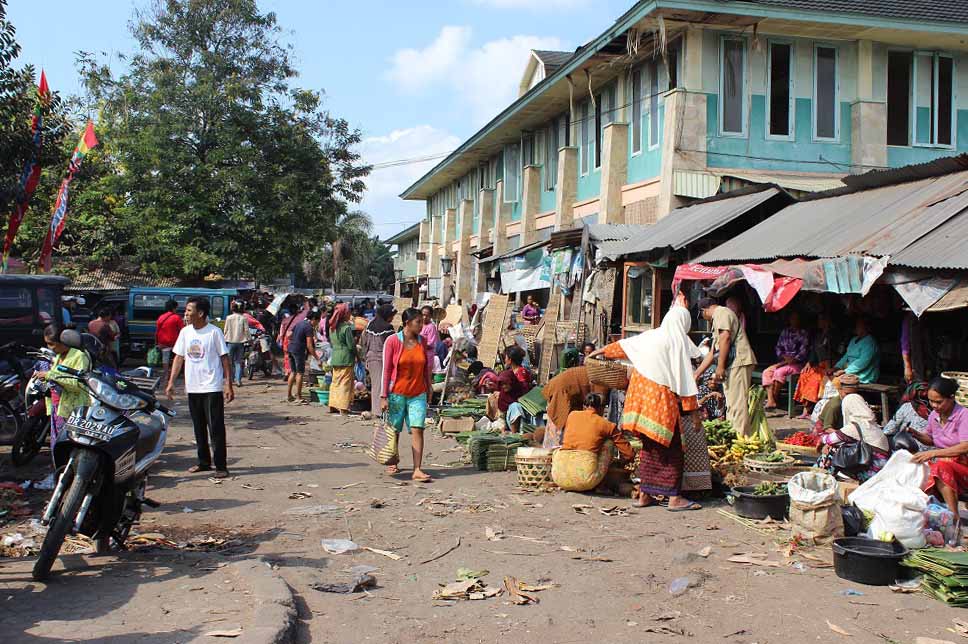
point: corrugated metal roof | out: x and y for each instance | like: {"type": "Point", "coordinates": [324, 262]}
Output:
{"type": "Point", "coordinates": [943, 247]}
{"type": "Point", "coordinates": [552, 60]}
{"type": "Point", "coordinates": [881, 221]}
{"type": "Point", "coordinates": [612, 232]}
{"type": "Point", "coordinates": [685, 225]}
{"type": "Point", "coordinates": [915, 10]}
{"type": "Point", "coordinates": [801, 182]}
{"type": "Point", "coordinates": [100, 279]}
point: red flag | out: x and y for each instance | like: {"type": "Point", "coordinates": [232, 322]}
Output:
{"type": "Point", "coordinates": [59, 217]}
{"type": "Point", "coordinates": [31, 174]}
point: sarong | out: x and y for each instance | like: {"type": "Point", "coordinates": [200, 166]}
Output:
{"type": "Point", "coordinates": [341, 390]}
{"type": "Point", "coordinates": [579, 470]}
{"type": "Point", "coordinates": [660, 468]}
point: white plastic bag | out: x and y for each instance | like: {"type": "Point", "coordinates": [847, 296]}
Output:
{"type": "Point", "coordinates": [813, 488]}
{"type": "Point", "coordinates": [895, 497]}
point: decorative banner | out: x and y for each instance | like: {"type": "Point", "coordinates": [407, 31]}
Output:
{"type": "Point", "coordinates": [31, 174]}
{"type": "Point", "coordinates": [59, 218]}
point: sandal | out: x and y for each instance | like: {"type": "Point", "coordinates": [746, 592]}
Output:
{"type": "Point", "coordinates": [692, 505]}
{"type": "Point", "coordinates": [423, 479]}
{"type": "Point", "coordinates": [195, 469]}
{"type": "Point", "coordinates": [393, 470]}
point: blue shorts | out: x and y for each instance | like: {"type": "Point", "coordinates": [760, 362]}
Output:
{"type": "Point", "coordinates": [412, 410]}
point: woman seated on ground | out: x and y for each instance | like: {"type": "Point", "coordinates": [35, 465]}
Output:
{"type": "Point", "coordinates": [586, 453]}
{"type": "Point", "coordinates": [514, 362]}
{"type": "Point", "coordinates": [503, 404]}
{"type": "Point", "coordinates": [863, 357]}
{"type": "Point", "coordinates": [565, 393]}
{"type": "Point", "coordinates": [792, 349]}
{"type": "Point", "coordinates": [483, 380]}
{"type": "Point", "coordinates": [947, 433]}
{"type": "Point", "coordinates": [860, 424]}
{"type": "Point", "coordinates": [912, 416]}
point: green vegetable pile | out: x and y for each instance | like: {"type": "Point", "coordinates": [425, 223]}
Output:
{"type": "Point", "coordinates": [470, 407]}
{"type": "Point", "coordinates": [769, 488]}
{"type": "Point", "coordinates": [761, 427]}
{"type": "Point", "coordinates": [719, 432]}
{"type": "Point", "coordinates": [769, 457]}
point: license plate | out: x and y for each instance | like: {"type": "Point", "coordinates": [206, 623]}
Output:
{"type": "Point", "coordinates": [89, 428]}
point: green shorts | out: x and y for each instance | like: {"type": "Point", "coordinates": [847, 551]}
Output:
{"type": "Point", "coordinates": [412, 410]}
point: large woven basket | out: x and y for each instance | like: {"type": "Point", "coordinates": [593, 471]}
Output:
{"type": "Point", "coordinates": [962, 379]}
{"type": "Point", "coordinates": [606, 373]}
{"type": "Point", "coordinates": [534, 472]}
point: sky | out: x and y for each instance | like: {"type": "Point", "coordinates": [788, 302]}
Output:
{"type": "Point", "coordinates": [417, 77]}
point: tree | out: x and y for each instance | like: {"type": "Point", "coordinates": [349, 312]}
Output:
{"type": "Point", "coordinates": [221, 166]}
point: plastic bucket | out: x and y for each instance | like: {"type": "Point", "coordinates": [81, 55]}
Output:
{"type": "Point", "coordinates": [867, 561]}
{"type": "Point", "coordinates": [322, 397]}
{"type": "Point", "coordinates": [746, 504]}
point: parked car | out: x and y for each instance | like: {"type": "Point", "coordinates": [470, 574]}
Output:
{"type": "Point", "coordinates": [146, 304]}
{"type": "Point", "coordinates": [28, 303]}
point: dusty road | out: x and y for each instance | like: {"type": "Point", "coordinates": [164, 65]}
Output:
{"type": "Point", "coordinates": [611, 571]}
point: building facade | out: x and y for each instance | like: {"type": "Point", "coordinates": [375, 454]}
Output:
{"type": "Point", "coordinates": [682, 99]}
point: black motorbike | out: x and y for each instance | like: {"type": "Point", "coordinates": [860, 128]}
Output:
{"type": "Point", "coordinates": [102, 456]}
{"type": "Point", "coordinates": [34, 433]}
{"type": "Point", "coordinates": [258, 355]}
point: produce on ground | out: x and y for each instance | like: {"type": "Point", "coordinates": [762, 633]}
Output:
{"type": "Point", "coordinates": [803, 439]}
{"type": "Point", "coordinates": [769, 457]}
{"type": "Point", "coordinates": [769, 488]}
{"type": "Point", "coordinates": [761, 428]}
{"type": "Point", "coordinates": [744, 445]}
{"type": "Point", "coordinates": [719, 432]}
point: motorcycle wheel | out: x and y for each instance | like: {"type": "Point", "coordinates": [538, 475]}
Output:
{"type": "Point", "coordinates": [28, 440]}
{"type": "Point", "coordinates": [84, 471]}
{"type": "Point", "coordinates": [10, 420]}
{"type": "Point", "coordinates": [250, 368]}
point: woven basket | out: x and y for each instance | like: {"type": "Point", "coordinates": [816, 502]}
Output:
{"type": "Point", "coordinates": [606, 373]}
{"type": "Point", "coordinates": [764, 467]}
{"type": "Point", "coordinates": [534, 471]}
{"type": "Point", "coordinates": [961, 377]}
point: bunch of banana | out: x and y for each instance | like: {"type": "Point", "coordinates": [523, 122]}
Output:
{"type": "Point", "coordinates": [744, 445]}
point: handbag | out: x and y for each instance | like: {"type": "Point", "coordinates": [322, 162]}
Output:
{"type": "Point", "coordinates": [383, 447]}
{"type": "Point", "coordinates": [852, 457]}
{"type": "Point", "coordinates": [154, 358]}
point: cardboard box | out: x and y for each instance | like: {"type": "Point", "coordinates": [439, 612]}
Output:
{"type": "Point", "coordinates": [846, 487]}
{"type": "Point", "coordinates": [456, 425]}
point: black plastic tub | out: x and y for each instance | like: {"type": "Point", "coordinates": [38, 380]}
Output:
{"type": "Point", "coordinates": [746, 504]}
{"type": "Point", "coordinates": [866, 561]}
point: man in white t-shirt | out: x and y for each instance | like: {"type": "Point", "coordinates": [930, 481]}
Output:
{"type": "Point", "coordinates": [201, 348]}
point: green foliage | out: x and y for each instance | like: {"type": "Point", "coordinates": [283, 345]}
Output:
{"type": "Point", "coordinates": [217, 163]}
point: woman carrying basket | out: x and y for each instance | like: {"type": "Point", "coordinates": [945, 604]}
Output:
{"type": "Point", "coordinates": [407, 367]}
{"type": "Point", "coordinates": [662, 387]}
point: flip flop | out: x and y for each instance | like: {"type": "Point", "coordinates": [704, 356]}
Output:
{"type": "Point", "coordinates": [428, 479]}
{"type": "Point", "coordinates": [692, 506]}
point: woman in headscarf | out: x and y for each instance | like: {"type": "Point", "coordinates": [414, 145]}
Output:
{"type": "Point", "coordinates": [342, 359]}
{"type": "Point", "coordinates": [914, 411]}
{"type": "Point", "coordinates": [371, 346]}
{"type": "Point", "coordinates": [661, 389]}
{"type": "Point", "coordinates": [860, 424]}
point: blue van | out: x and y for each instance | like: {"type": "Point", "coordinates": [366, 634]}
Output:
{"type": "Point", "coordinates": [145, 305]}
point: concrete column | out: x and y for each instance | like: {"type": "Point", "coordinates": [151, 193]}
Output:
{"type": "Point", "coordinates": [501, 219]}
{"type": "Point", "coordinates": [436, 241]}
{"type": "Point", "coordinates": [423, 246]}
{"type": "Point", "coordinates": [684, 128]}
{"type": "Point", "coordinates": [692, 60]}
{"type": "Point", "coordinates": [530, 204]}
{"type": "Point", "coordinates": [464, 262]}
{"type": "Point", "coordinates": [566, 190]}
{"type": "Point", "coordinates": [485, 206]}
{"type": "Point", "coordinates": [615, 162]}
{"type": "Point", "coordinates": [622, 96]}
{"type": "Point", "coordinates": [450, 231]}
{"type": "Point", "coordinates": [868, 117]}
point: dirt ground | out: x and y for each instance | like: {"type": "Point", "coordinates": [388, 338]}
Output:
{"type": "Point", "coordinates": [610, 572]}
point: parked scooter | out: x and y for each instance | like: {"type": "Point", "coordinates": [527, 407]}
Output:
{"type": "Point", "coordinates": [34, 432]}
{"type": "Point", "coordinates": [259, 356]}
{"type": "Point", "coordinates": [103, 458]}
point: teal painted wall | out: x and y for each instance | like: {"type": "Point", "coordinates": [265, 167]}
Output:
{"type": "Point", "coordinates": [516, 210]}
{"type": "Point", "coordinates": [648, 163]}
{"type": "Point", "coordinates": [589, 185]}
{"type": "Point", "coordinates": [901, 155]}
{"type": "Point", "coordinates": [755, 151]}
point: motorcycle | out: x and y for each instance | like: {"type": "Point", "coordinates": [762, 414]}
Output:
{"type": "Point", "coordinates": [259, 356]}
{"type": "Point", "coordinates": [108, 448]}
{"type": "Point", "coordinates": [34, 432]}
{"type": "Point", "coordinates": [14, 373]}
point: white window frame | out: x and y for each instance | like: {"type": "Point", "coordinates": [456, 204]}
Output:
{"type": "Point", "coordinates": [744, 132]}
{"type": "Point", "coordinates": [791, 110]}
{"type": "Point", "coordinates": [599, 132]}
{"type": "Point", "coordinates": [935, 68]}
{"type": "Point", "coordinates": [653, 98]}
{"type": "Point", "coordinates": [636, 104]}
{"type": "Point", "coordinates": [511, 196]}
{"type": "Point", "coordinates": [813, 103]}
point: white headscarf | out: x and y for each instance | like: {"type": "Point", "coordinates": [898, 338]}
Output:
{"type": "Point", "coordinates": [857, 414]}
{"type": "Point", "coordinates": [664, 355]}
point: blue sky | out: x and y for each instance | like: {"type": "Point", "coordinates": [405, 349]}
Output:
{"type": "Point", "coordinates": [417, 77]}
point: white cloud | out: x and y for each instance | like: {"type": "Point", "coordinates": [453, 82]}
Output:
{"type": "Point", "coordinates": [415, 69]}
{"type": "Point", "coordinates": [533, 5]}
{"type": "Point", "coordinates": [391, 214]}
{"type": "Point", "coordinates": [485, 79]}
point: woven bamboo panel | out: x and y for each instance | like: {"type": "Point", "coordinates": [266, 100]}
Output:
{"type": "Point", "coordinates": [570, 331]}
{"type": "Point", "coordinates": [495, 321]}
{"type": "Point", "coordinates": [548, 340]}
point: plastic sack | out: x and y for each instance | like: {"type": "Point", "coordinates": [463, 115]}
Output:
{"type": "Point", "coordinates": [895, 498]}
{"type": "Point", "coordinates": [815, 515]}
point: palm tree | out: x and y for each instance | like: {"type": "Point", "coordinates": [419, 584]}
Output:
{"type": "Point", "coordinates": [349, 229]}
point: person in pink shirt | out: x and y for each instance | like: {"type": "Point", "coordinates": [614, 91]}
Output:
{"type": "Point", "coordinates": [947, 433]}
{"type": "Point", "coordinates": [429, 331]}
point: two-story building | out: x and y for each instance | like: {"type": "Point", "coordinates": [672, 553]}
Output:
{"type": "Point", "coordinates": [681, 99]}
{"type": "Point", "coordinates": [409, 263]}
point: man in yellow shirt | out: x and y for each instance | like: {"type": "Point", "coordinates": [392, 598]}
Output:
{"type": "Point", "coordinates": [735, 362]}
